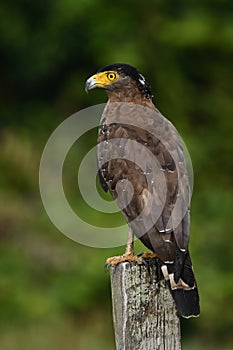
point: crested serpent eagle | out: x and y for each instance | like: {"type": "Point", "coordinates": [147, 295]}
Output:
{"type": "Point", "coordinates": [141, 162]}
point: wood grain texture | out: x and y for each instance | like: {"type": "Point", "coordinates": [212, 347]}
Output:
{"type": "Point", "coordinates": [144, 313]}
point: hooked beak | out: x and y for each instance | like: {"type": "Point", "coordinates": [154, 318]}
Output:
{"type": "Point", "coordinates": [90, 84]}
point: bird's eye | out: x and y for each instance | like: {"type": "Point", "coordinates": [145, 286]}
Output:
{"type": "Point", "coordinates": [111, 76]}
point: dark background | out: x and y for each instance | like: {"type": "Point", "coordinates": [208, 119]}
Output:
{"type": "Point", "coordinates": [54, 293]}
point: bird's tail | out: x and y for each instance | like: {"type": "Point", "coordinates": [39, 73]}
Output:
{"type": "Point", "coordinates": [182, 284]}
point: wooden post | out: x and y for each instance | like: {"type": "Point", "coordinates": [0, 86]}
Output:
{"type": "Point", "coordinates": [144, 314]}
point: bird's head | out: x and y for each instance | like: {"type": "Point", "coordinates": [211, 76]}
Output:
{"type": "Point", "coordinates": [119, 77]}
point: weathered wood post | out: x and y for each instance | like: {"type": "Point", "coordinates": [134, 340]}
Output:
{"type": "Point", "coordinates": [144, 314]}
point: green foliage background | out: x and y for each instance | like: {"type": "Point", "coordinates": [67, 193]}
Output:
{"type": "Point", "coordinates": [54, 293]}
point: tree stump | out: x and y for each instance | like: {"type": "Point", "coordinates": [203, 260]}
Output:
{"type": "Point", "coordinates": [144, 313]}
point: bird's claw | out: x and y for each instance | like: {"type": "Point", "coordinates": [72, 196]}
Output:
{"type": "Point", "coordinates": [147, 255]}
{"type": "Point", "coordinates": [116, 260]}
{"type": "Point", "coordinates": [147, 258]}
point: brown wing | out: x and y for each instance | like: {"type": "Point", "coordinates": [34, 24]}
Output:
{"type": "Point", "coordinates": [139, 154]}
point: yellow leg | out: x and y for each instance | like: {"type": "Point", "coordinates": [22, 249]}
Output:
{"type": "Point", "coordinates": [130, 243]}
{"type": "Point", "coordinates": [128, 256]}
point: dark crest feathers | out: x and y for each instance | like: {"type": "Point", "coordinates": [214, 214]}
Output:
{"type": "Point", "coordinates": [128, 70]}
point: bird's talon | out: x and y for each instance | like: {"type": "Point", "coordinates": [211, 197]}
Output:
{"type": "Point", "coordinates": [116, 260]}
{"type": "Point", "coordinates": [106, 267]}
{"type": "Point", "coordinates": [148, 255]}
{"type": "Point", "coordinates": [140, 254]}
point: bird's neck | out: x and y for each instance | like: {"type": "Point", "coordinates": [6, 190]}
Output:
{"type": "Point", "coordinates": [129, 96]}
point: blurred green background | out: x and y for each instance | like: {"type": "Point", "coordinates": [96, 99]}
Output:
{"type": "Point", "coordinates": [54, 293]}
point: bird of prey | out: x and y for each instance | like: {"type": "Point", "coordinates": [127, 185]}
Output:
{"type": "Point", "coordinates": [141, 162]}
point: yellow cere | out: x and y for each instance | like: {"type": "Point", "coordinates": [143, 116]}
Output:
{"type": "Point", "coordinates": [105, 78]}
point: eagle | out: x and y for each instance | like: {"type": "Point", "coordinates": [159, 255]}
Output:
{"type": "Point", "coordinates": [141, 162]}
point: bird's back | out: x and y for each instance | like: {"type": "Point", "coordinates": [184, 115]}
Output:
{"type": "Point", "coordinates": [142, 164]}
